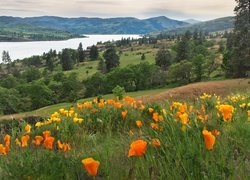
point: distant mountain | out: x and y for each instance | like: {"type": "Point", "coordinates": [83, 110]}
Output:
{"type": "Point", "coordinates": [191, 21]}
{"type": "Point", "coordinates": [127, 25]}
{"type": "Point", "coordinates": [220, 24]}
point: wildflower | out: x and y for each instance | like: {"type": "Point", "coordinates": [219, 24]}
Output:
{"type": "Point", "coordinates": [150, 110]}
{"type": "Point", "coordinates": [191, 108]}
{"type": "Point", "coordinates": [7, 142]}
{"type": "Point", "coordinates": [248, 113]}
{"type": "Point", "coordinates": [154, 126]}
{"type": "Point", "coordinates": [91, 166]}
{"type": "Point", "coordinates": [183, 108]}
{"type": "Point", "coordinates": [17, 142]}
{"type": "Point", "coordinates": [216, 132]}
{"type": "Point", "coordinates": [27, 128]}
{"type": "Point", "coordinates": [184, 118]}
{"type": "Point", "coordinates": [46, 134]}
{"type": "Point", "coordinates": [131, 132]}
{"type": "Point", "coordinates": [48, 142]}
{"type": "Point", "coordinates": [156, 142]}
{"type": "Point", "coordinates": [209, 139]}
{"type": "Point", "coordinates": [25, 140]}
{"type": "Point", "coordinates": [156, 116]}
{"type": "Point", "coordinates": [138, 123]}
{"type": "Point", "coordinates": [38, 124]}
{"type": "Point", "coordinates": [124, 114]}
{"type": "Point", "coordinates": [243, 105]}
{"type": "Point", "coordinates": [63, 146]}
{"type": "Point", "coordinates": [137, 148]}
{"type": "Point", "coordinates": [38, 140]}
{"type": "Point", "coordinates": [226, 111]}
{"type": "Point", "coordinates": [3, 150]}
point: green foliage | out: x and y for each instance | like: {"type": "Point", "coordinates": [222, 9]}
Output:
{"type": "Point", "coordinates": [182, 50]}
{"type": "Point", "coordinates": [66, 60]}
{"type": "Point", "coordinates": [93, 53]}
{"type": "Point", "coordinates": [198, 66]}
{"type": "Point", "coordinates": [31, 74]}
{"type": "Point", "coordinates": [119, 92]}
{"type": "Point", "coordinates": [81, 55]}
{"type": "Point", "coordinates": [9, 101]}
{"type": "Point", "coordinates": [181, 71]}
{"type": "Point", "coordinates": [163, 58]}
{"type": "Point", "coordinates": [112, 60]}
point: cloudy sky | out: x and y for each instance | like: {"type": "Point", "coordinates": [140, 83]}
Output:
{"type": "Point", "coordinates": [178, 9]}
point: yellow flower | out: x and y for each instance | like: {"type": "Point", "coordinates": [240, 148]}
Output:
{"type": "Point", "coordinates": [150, 110]}
{"type": "Point", "coordinates": [27, 128]}
{"type": "Point", "coordinates": [184, 118]}
{"type": "Point", "coordinates": [91, 166]}
{"type": "Point", "coordinates": [17, 142]}
{"type": "Point", "coordinates": [38, 124]}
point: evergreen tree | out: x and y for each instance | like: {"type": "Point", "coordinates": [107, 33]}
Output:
{"type": "Point", "coordinates": [163, 59]}
{"type": "Point", "coordinates": [50, 61]}
{"type": "Point", "coordinates": [238, 64]}
{"type": "Point", "coordinates": [6, 57]}
{"type": "Point", "coordinates": [81, 55]}
{"type": "Point", "coordinates": [93, 54]}
{"type": "Point", "coordinates": [198, 66]}
{"type": "Point", "coordinates": [112, 60]}
{"type": "Point", "coordinates": [183, 50]}
{"type": "Point", "coordinates": [66, 60]}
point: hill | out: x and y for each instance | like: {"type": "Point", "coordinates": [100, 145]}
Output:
{"type": "Point", "coordinates": [220, 24]}
{"type": "Point", "coordinates": [191, 91]}
{"type": "Point", "coordinates": [53, 28]}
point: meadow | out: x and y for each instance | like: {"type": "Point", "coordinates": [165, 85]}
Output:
{"type": "Point", "coordinates": [129, 139]}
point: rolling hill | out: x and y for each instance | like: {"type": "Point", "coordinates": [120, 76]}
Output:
{"type": "Point", "coordinates": [220, 24]}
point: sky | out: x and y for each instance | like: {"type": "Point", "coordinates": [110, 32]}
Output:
{"type": "Point", "coordinates": [176, 9]}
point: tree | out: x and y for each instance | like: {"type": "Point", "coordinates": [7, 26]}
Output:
{"type": "Point", "coordinates": [112, 60]}
{"type": "Point", "coordinates": [181, 71]}
{"type": "Point", "coordinates": [9, 101]}
{"type": "Point", "coordinates": [183, 50]}
{"type": "Point", "coordinates": [239, 42]}
{"type": "Point", "coordinates": [93, 53]}
{"type": "Point", "coordinates": [163, 59]}
{"type": "Point", "coordinates": [66, 60]}
{"type": "Point", "coordinates": [6, 57]}
{"type": "Point", "coordinates": [198, 66]}
{"type": "Point", "coordinates": [102, 65]}
{"type": "Point", "coordinates": [81, 55]}
{"type": "Point", "coordinates": [50, 61]}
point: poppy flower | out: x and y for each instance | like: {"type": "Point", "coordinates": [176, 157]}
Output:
{"type": "Point", "coordinates": [91, 166]}
{"type": "Point", "coordinates": [154, 126]}
{"type": "Point", "coordinates": [155, 116]}
{"type": "Point", "coordinates": [137, 148]}
{"type": "Point", "coordinates": [25, 140]}
{"type": "Point", "coordinates": [124, 114]}
{"type": "Point", "coordinates": [48, 142]}
{"type": "Point", "coordinates": [3, 150]}
{"type": "Point", "coordinates": [17, 142]}
{"type": "Point", "coordinates": [150, 110]}
{"type": "Point", "coordinates": [184, 118]}
{"type": "Point", "coordinates": [38, 140]}
{"type": "Point", "coordinates": [156, 142]}
{"type": "Point", "coordinates": [226, 111]}
{"type": "Point", "coordinates": [46, 134]}
{"type": "Point", "coordinates": [209, 139]}
{"type": "Point", "coordinates": [27, 128]}
{"type": "Point", "coordinates": [138, 123]}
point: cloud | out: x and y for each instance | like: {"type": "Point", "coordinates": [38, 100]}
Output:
{"type": "Point", "coordinates": [180, 9]}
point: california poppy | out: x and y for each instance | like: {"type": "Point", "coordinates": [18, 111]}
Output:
{"type": "Point", "coordinates": [209, 139]}
{"type": "Point", "coordinates": [138, 123]}
{"type": "Point", "coordinates": [25, 140]}
{"type": "Point", "coordinates": [137, 148]}
{"type": "Point", "coordinates": [46, 134]}
{"type": "Point", "coordinates": [48, 142]}
{"type": "Point", "coordinates": [156, 142]}
{"type": "Point", "coordinates": [124, 114]}
{"type": "Point", "coordinates": [91, 166]}
{"type": "Point", "coordinates": [27, 128]}
{"type": "Point", "coordinates": [38, 140]}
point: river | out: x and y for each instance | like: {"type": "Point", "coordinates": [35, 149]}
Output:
{"type": "Point", "coordinates": [20, 50]}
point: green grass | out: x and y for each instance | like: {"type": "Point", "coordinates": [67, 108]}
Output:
{"type": "Point", "coordinates": [46, 111]}
{"type": "Point", "coordinates": [104, 135]}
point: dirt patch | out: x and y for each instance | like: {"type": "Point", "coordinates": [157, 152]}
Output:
{"type": "Point", "coordinates": [191, 91]}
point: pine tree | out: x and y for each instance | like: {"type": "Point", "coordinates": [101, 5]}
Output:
{"type": "Point", "coordinates": [163, 59]}
{"type": "Point", "coordinates": [238, 64]}
{"type": "Point", "coordinates": [183, 50]}
{"type": "Point", "coordinates": [93, 54]}
{"type": "Point", "coordinates": [81, 55]}
{"type": "Point", "coordinates": [112, 60]}
{"type": "Point", "coordinates": [66, 60]}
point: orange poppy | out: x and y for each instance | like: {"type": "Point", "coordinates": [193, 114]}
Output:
{"type": "Point", "coordinates": [17, 142]}
{"type": "Point", "coordinates": [209, 139]}
{"type": "Point", "coordinates": [138, 123]}
{"type": "Point", "coordinates": [91, 166]}
{"type": "Point", "coordinates": [38, 140]}
{"type": "Point", "coordinates": [156, 142]}
{"type": "Point", "coordinates": [216, 132]}
{"type": "Point", "coordinates": [154, 126]}
{"type": "Point", "coordinates": [137, 148]}
{"type": "Point", "coordinates": [150, 110]}
{"type": "Point", "coordinates": [27, 128]}
{"type": "Point", "coordinates": [3, 150]}
{"type": "Point", "coordinates": [48, 142]}
{"type": "Point", "coordinates": [155, 116]}
{"type": "Point", "coordinates": [46, 134]}
{"type": "Point", "coordinates": [184, 118]}
{"type": "Point", "coordinates": [124, 114]}
{"type": "Point", "coordinates": [25, 140]}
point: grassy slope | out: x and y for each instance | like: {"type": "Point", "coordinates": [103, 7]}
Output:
{"type": "Point", "coordinates": [190, 91]}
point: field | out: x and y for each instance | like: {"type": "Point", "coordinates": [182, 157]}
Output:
{"type": "Point", "coordinates": [192, 138]}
